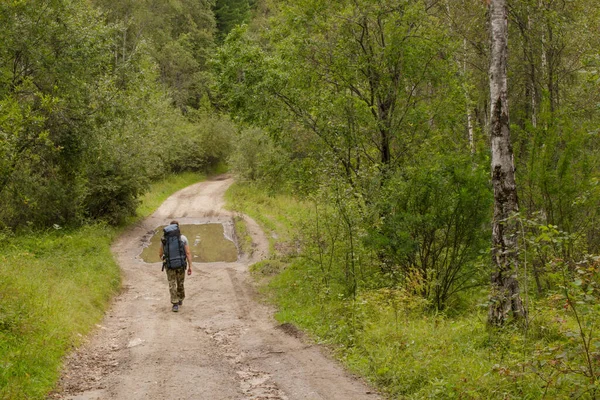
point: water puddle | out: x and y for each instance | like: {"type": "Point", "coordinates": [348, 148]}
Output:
{"type": "Point", "coordinates": [208, 243]}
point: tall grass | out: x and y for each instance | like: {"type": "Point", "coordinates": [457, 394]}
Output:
{"type": "Point", "coordinates": [391, 338]}
{"type": "Point", "coordinates": [54, 287]}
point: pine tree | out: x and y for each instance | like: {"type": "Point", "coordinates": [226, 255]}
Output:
{"type": "Point", "coordinates": [230, 13]}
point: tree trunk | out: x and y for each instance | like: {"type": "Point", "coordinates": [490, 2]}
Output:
{"type": "Point", "coordinates": [505, 295]}
{"type": "Point", "coordinates": [467, 102]}
{"type": "Point", "coordinates": [532, 77]}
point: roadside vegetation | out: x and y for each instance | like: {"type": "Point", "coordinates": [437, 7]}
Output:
{"type": "Point", "coordinates": [394, 336]}
{"type": "Point", "coordinates": [54, 288]}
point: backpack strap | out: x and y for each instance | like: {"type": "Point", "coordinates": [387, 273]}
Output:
{"type": "Point", "coordinates": [182, 251]}
{"type": "Point", "coordinates": [164, 256]}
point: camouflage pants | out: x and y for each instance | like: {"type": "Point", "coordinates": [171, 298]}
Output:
{"type": "Point", "coordinates": [176, 278]}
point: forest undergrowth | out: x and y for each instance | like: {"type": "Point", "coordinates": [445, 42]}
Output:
{"type": "Point", "coordinates": [397, 341]}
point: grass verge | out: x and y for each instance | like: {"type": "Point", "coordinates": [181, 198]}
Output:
{"type": "Point", "coordinates": [54, 287]}
{"type": "Point", "coordinates": [244, 239]}
{"type": "Point", "coordinates": [267, 211]}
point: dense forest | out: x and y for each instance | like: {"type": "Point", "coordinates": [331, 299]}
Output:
{"type": "Point", "coordinates": [389, 118]}
{"type": "Point", "coordinates": [381, 118]}
{"type": "Point", "coordinates": [381, 111]}
{"type": "Point", "coordinates": [100, 98]}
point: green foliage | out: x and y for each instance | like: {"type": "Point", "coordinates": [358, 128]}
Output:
{"type": "Point", "coordinates": [255, 157]}
{"type": "Point", "coordinates": [381, 109]}
{"type": "Point", "coordinates": [432, 225]}
{"type": "Point", "coordinates": [229, 14]}
{"type": "Point", "coordinates": [179, 37]}
{"type": "Point", "coordinates": [561, 183]}
{"type": "Point", "coordinates": [542, 244]}
{"type": "Point", "coordinates": [556, 116]}
{"type": "Point", "coordinates": [200, 146]}
{"type": "Point", "coordinates": [353, 95]}
{"type": "Point", "coordinates": [371, 102]}
{"type": "Point", "coordinates": [85, 124]}
{"type": "Point", "coordinates": [53, 85]}
{"type": "Point", "coordinates": [573, 361]}
{"type": "Point", "coordinates": [244, 74]}
{"type": "Point", "coordinates": [252, 200]}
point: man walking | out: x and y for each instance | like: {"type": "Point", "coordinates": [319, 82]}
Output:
{"type": "Point", "coordinates": [176, 256]}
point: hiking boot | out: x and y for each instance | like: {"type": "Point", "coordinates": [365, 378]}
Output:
{"type": "Point", "coordinates": [180, 302]}
{"type": "Point", "coordinates": [175, 307]}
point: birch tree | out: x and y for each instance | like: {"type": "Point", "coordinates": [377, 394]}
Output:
{"type": "Point", "coordinates": [505, 295]}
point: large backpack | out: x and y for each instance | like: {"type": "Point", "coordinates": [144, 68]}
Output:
{"type": "Point", "coordinates": [173, 248]}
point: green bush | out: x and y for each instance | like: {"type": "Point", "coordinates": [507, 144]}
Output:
{"type": "Point", "coordinates": [255, 157]}
{"type": "Point", "coordinates": [84, 132]}
{"type": "Point", "coordinates": [200, 146]}
{"type": "Point", "coordinates": [432, 224]}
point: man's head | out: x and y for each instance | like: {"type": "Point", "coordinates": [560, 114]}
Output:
{"type": "Point", "coordinates": [174, 223]}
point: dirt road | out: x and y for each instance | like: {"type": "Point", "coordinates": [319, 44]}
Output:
{"type": "Point", "coordinates": [222, 344]}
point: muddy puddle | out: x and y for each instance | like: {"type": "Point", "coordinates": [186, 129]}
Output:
{"type": "Point", "coordinates": [208, 243]}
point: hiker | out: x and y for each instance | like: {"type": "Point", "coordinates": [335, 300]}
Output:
{"type": "Point", "coordinates": [175, 251]}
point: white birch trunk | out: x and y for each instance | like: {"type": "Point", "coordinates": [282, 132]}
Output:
{"type": "Point", "coordinates": [505, 287]}
{"type": "Point", "coordinates": [532, 75]}
{"type": "Point", "coordinates": [468, 102]}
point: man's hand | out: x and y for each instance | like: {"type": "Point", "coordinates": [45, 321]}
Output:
{"type": "Point", "coordinates": [189, 271]}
